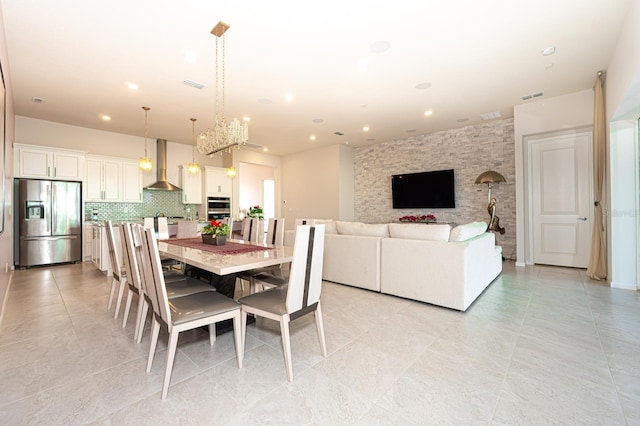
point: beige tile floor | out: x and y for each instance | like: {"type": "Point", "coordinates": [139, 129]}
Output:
{"type": "Point", "coordinates": [542, 345]}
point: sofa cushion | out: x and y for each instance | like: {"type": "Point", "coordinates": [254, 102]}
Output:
{"type": "Point", "coordinates": [329, 225]}
{"type": "Point", "coordinates": [420, 231]}
{"type": "Point", "coordinates": [468, 231]}
{"type": "Point", "coordinates": [363, 229]}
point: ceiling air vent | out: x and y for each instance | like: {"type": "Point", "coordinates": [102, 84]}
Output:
{"type": "Point", "coordinates": [533, 95]}
{"type": "Point", "coordinates": [490, 115]}
{"type": "Point", "coordinates": [193, 84]}
{"type": "Point", "coordinates": [338, 133]}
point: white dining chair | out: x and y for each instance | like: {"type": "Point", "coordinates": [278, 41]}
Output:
{"type": "Point", "coordinates": [149, 222]}
{"type": "Point", "coordinates": [250, 227]}
{"type": "Point", "coordinates": [119, 274]}
{"type": "Point", "coordinates": [163, 228]}
{"type": "Point", "coordinates": [183, 313]}
{"type": "Point", "coordinates": [300, 295]}
{"type": "Point", "coordinates": [177, 284]}
{"type": "Point", "coordinates": [275, 237]}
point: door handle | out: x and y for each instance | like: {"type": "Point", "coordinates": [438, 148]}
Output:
{"type": "Point", "coordinates": [582, 219]}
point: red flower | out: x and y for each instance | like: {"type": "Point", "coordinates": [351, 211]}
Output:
{"type": "Point", "coordinates": [214, 223]}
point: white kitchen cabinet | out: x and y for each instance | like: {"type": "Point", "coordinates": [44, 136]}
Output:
{"type": "Point", "coordinates": [87, 253]}
{"type": "Point", "coordinates": [31, 161]}
{"type": "Point", "coordinates": [112, 180]}
{"type": "Point", "coordinates": [217, 183]}
{"type": "Point", "coordinates": [191, 184]}
{"type": "Point", "coordinates": [103, 179]}
{"type": "Point", "coordinates": [100, 247]}
{"type": "Point", "coordinates": [131, 182]}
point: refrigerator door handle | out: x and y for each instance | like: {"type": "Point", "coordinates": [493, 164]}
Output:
{"type": "Point", "coordinates": [64, 237]}
{"type": "Point", "coordinates": [53, 211]}
{"type": "Point", "coordinates": [48, 204]}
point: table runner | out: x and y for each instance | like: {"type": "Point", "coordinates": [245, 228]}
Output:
{"type": "Point", "coordinates": [228, 248]}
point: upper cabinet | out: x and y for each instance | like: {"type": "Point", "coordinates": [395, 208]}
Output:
{"type": "Point", "coordinates": [32, 161]}
{"type": "Point", "coordinates": [191, 184]}
{"type": "Point", "coordinates": [216, 181]}
{"type": "Point", "coordinates": [112, 180]}
{"type": "Point", "coordinates": [131, 182]}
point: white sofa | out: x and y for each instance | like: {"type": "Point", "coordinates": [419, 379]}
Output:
{"type": "Point", "coordinates": [429, 263]}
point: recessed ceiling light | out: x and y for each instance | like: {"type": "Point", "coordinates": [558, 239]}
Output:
{"type": "Point", "coordinates": [318, 120]}
{"type": "Point", "coordinates": [362, 66]}
{"type": "Point", "coordinates": [547, 51]}
{"type": "Point", "coordinates": [105, 117]}
{"type": "Point", "coordinates": [312, 137]}
{"type": "Point", "coordinates": [265, 149]}
{"type": "Point", "coordinates": [132, 86]}
{"type": "Point", "coordinates": [288, 97]}
{"type": "Point", "coordinates": [428, 113]}
{"type": "Point", "coordinates": [246, 118]}
{"type": "Point", "coordinates": [549, 65]}
{"type": "Point", "coordinates": [380, 46]}
{"type": "Point", "coordinates": [423, 86]}
{"type": "Point", "coordinates": [365, 128]}
{"type": "Point", "coordinates": [37, 100]}
{"type": "Point", "coordinates": [264, 101]}
{"type": "Point", "coordinates": [190, 56]}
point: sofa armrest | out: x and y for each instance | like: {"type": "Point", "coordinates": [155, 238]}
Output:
{"type": "Point", "coordinates": [450, 274]}
{"type": "Point", "coordinates": [352, 260]}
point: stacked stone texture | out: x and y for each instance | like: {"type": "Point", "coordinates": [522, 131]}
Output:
{"type": "Point", "coordinates": [469, 151]}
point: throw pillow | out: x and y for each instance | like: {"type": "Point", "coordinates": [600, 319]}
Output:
{"type": "Point", "coordinates": [468, 231]}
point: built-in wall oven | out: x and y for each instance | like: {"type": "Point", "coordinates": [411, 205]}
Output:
{"type": "Point", "coordinates": [218, 208]}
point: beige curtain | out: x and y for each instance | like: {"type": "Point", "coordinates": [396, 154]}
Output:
{"type": "Point", "coordinates": [597, 269]}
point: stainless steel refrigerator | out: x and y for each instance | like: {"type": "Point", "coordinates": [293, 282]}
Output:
{"type": "Point", "coordinates": [48, 222]}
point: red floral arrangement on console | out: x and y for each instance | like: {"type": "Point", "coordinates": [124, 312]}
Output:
{"type": "Point", "coordinates": [417, 219]}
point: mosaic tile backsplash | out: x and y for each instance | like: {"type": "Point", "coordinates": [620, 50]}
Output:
{"type": "Point", "coordinates": [154, 202]}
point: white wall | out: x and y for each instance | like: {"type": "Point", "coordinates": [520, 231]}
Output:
{"type": "Point", "coordinates": [624, 205]}
{"type": "Point", "coordinates": [316, 184]}
{"type": "Point", "coordinates": [346, 189]}
{"type": "Point", "coordinates": [544, 116]}
{"type": "Point", "coordinates": [6, 238]}
{"type": "Point", "coordinates": [622, 110]}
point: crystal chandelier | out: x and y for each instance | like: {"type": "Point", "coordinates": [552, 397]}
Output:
{"type": "Point", "coordinates": [223, 136]}
{"type": "Point", "coordinates": [193, 167]}
{"type": "Point", "coordinates": [145, 162]}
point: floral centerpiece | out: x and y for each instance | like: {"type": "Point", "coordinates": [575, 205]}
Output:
{"type": "Point", "coordinates": [428, 218]}
{"type": "Point", "coordinates": [215, 233]}
{"type": "Point", "coordinates": [255, 211]}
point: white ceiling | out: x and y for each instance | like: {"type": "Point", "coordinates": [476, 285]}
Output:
{"type": "Point", "coordinates": [478, 56]}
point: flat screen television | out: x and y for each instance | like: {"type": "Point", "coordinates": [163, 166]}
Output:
{"type": "Point", "coordinates": [433, 189]}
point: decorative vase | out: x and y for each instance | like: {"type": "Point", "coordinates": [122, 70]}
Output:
{"type": "Point", "coordinates": [218, 240]}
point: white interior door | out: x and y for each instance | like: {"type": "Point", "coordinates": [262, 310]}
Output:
{"type": "Point", "coordinates": [561, 199]}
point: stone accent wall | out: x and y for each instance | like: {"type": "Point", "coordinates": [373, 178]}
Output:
{"type": "Point", "coordinates": [469, 151]}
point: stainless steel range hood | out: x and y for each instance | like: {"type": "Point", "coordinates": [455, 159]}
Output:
{"type": "Point", "coordinates": [162, 184]}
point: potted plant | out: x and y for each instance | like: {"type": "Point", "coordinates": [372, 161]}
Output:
{"type": "Point", "coordinates": [215, 233]}
{"type": "Point", "coordinates": [255, 211]}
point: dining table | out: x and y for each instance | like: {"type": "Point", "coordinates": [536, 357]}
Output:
{"type": "Point", "coordinates": [224, 261]}
{"type": "Point", "coordinates": [233, 257]}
